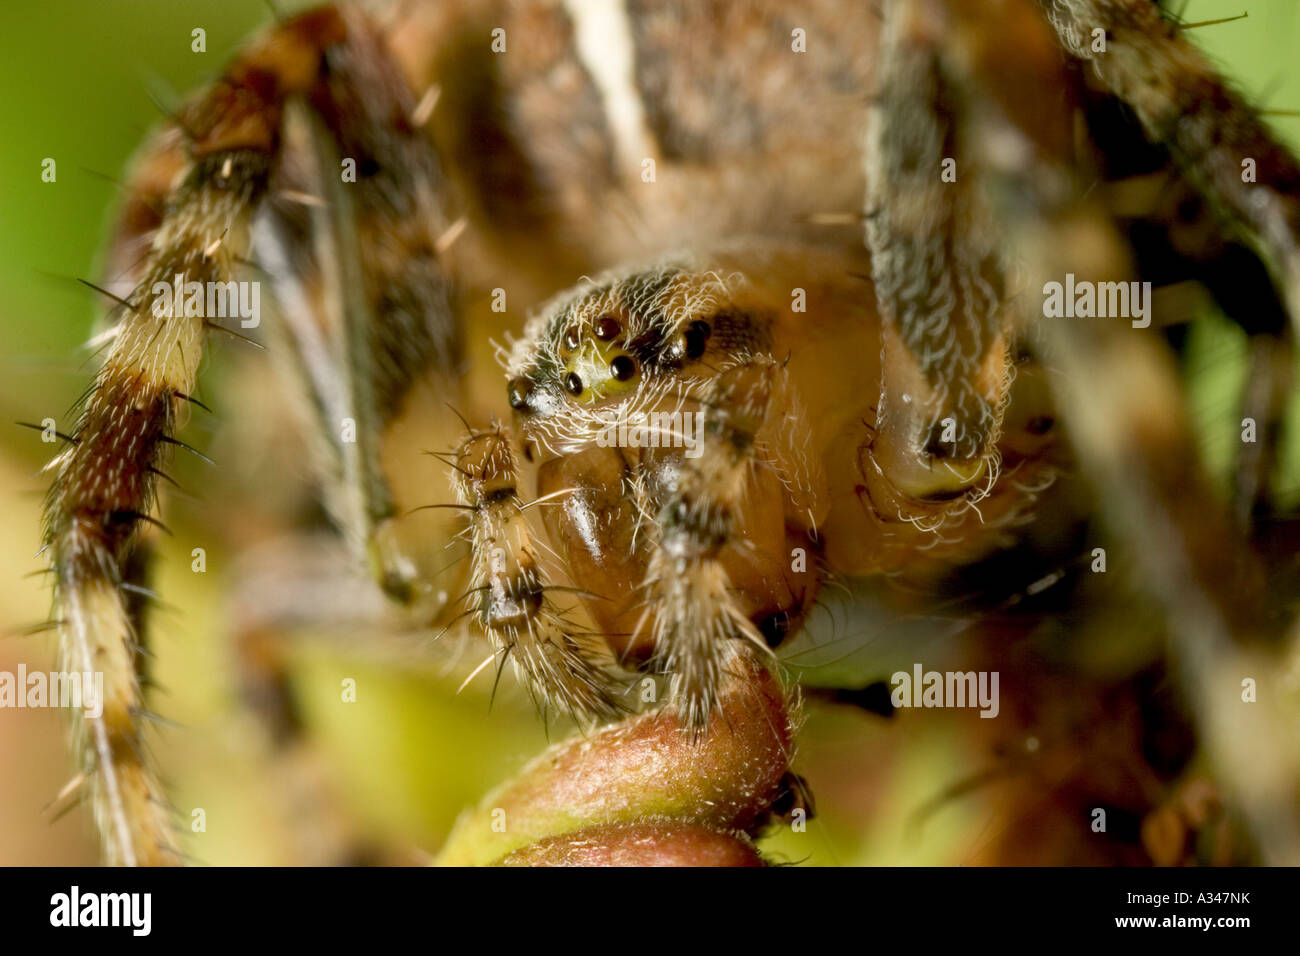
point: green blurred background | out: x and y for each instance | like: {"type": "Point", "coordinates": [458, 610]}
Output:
{"type": "Point", "coordinates": [76, 78]}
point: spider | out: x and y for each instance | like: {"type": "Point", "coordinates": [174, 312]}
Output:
{"type": "Point", "coordinates": [782, 269]}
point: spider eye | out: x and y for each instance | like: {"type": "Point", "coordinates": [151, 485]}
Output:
{"type": "Point", "coordinates": [571, 338]}
{"type": "Point", "coordinates": [697, 336]}
{"type": "Point", "coordinates": [622, 368]}
{"type": "Point", "coordinates": [607, 328]}
{"type": "Point", "coordinates": [573, 382]}
{"type": "Point", "coordinates": [518, 391]}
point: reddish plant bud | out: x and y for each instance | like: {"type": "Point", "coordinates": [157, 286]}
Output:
{"type": "Point", "coordinates": [644, 770]}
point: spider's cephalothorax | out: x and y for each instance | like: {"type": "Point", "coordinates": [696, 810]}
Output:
{"type": "Point", "coordinates": [806, 349]}
{"type": "Point", "coordinates": [695, 427]}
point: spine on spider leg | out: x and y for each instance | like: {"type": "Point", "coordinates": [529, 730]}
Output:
{"type": "Point", "coordinates": [700, 631]}
{"type": "Point", "coordinates": [105, 481]}
{"type": "Point", "coordinates": [561, 666]}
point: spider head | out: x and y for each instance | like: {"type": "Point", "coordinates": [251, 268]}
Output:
{"type": "Point", "coordinates": [590, 366]}
{"type": "Point", "coordinates": [621, 338]}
